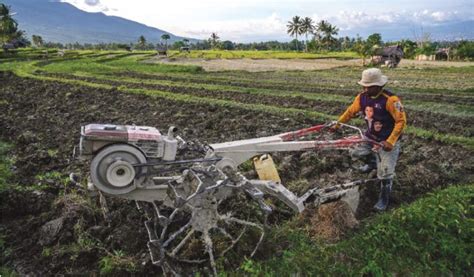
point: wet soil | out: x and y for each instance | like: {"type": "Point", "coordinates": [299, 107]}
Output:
{"type": "Point", "coordinates": [43, 119]}
{"type": "Point", "coordinates": [426, 120]}
{"type": "Point", "coordinates": [448, 97]}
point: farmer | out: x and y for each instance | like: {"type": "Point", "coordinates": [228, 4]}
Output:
{"type": "Point", "coordinates": [386, 119]}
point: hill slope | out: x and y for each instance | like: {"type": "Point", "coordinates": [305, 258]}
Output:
{"type": "Point", "coordinates": [62, 22]}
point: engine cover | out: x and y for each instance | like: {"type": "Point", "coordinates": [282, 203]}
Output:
{"type": "Point", "coordinates": [96, 136]}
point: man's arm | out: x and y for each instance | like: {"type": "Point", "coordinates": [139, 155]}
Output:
{"type": "Point", "coordinates": [396, 110]}
{"type": "Point", "coordinates": [351, 111]}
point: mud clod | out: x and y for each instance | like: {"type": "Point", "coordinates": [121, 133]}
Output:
{"type": "Point", "coordinates": [50, 231]}
{"type": "Point", "coordinates": [332, 221]}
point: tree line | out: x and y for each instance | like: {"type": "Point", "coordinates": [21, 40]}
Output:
{"type": "Point", "coordinates": [324, 38]}
{"type": "Point", "coordinates": [365, 47]}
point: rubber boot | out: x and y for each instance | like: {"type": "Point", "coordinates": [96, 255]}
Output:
{"type": "Point", "coordinates": [384, 196]}
{"type": "Point", "coordinates": [370, 165]}
{"type": "Point", "coordinates": [366, 168]}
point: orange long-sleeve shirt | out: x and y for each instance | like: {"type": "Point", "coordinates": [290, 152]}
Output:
{"type": "Point", "coordinates": [386, 108]}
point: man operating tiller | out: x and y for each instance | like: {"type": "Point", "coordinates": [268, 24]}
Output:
{"type": "Point", "coordinates": [386, 120]}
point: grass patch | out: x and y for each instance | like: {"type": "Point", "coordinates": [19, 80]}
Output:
{"type": "Point", "coordinates": [93, 62]}
{"type": "Point", "coordinates": [117, 261]}
{"type": "Point", "coordinates": [5, 165]}
{"type": "Point", "coordinates": [5, 251]}
{"type": "Point", "coordinates": [430, 237]}
{"type": "Point", "coordinates": [7, 272]}
{"type": "Point", "coordinates": [136, 64]}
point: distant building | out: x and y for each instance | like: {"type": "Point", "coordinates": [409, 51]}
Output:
{"type": "Point", "coordinates": [442, 54]}
{"type": "Point", "coordinates": [389, 56]}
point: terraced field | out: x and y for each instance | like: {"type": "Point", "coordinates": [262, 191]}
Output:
{"type": "Point", "coordinates": [44, 100]}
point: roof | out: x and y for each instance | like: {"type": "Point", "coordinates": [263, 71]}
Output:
{"type": "Point", "coordinates": [393, 50]}
{"type": "Point", "coordinates": [443, 50]}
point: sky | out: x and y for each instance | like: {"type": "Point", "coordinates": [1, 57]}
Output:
{"type": "Point", "coordinates": [262, 20]}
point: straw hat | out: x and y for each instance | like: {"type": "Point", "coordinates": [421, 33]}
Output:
{"type": "Point", "coordinates": [373, 77]}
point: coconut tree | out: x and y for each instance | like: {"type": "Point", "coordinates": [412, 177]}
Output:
{"type": "Point", "coordinates": [307, 27]}
{"type": "Point", "coordinates": [360, 46]}
{"type": "Point", "coordinates": [8, 25]}
{"type": "Point", "coordinates": [165, 37]}
{"type": "Point", "coordinates": [295, 28]}
{"type": "Point", "coordinates": [327, 31]}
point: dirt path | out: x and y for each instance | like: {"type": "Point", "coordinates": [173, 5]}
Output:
{"type": "Point", "coordinates": [254, 65]}
{"type": "Point", "coordinates": [258, 65]}
{"type": "Point", "coordinates": [424, 64]}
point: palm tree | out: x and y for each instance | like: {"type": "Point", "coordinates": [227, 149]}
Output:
{"type": "Point", "coordinates": [295, 28]}
{"type": "Point", "coordinates": [327, 30]}
{"type": "Point", "coordinates": [345, 43]}
{"type": "Point", "coordinates": [5, 12]}
{"type": "Point", "coordinates": [214, 39]}
{"type": "Point", "coordinates": [8, 25]}
{"type": "Point", "coordinates": [360, 46]}
{"type": "Point", "coordinates": [307, 27]}
{"type": "Point", "coordinates": [142, 42]}
{"type": "Point", "coordinates": [165, 37]}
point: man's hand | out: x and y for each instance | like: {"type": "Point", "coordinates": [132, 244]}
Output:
{"type": "Point", "coordinates": [387, 146]}
{"type": "Point", "coordinates": [376, 148]}
{"type": "Point", "coordinates": [334, 128]}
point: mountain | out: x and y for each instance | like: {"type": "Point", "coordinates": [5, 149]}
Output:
{"type": "Point", "coordinates": [62, 22]}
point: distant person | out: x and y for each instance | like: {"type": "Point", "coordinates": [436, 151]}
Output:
{"type": "Point", "coordinates": [386, 120]}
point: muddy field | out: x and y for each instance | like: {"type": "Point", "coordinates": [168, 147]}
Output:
{"type": "Point", "coordinates": [42, 120]}
{"type": "Point", "coordinates": [424, 119]}
{"type": "Point", "coordinates": [317, 86]}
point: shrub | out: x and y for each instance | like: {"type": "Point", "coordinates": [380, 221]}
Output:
{"type": "Point", "coordinates": [465, 50]}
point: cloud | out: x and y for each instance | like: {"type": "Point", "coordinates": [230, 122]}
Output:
{"type": "Point", "coordinates": [351, 20]}
{"type": "Point", "coordinates": [88, 5]}
{"type": "Point", "coordinates": [348, 20]}
{"type": "Point", "coordinates": [274, 27]}
{"type": "Point", "coordinates": [254, 20]}
{"type": "Point", "coordinates": [92, 2]}
{"type": "Point", "coordinates": [438, 16]}
{"type": "Point", "coordinates": [240, 30]}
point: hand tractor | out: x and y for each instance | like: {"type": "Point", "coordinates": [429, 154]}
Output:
{"type": "Point", "coordinates": [188, 202]}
